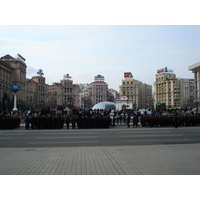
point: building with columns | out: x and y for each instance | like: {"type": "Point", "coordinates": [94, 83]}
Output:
{"type": "Point", "coordinates": [6, 93]}
{"type": "Point", "coordinates": [14, 74]}
{"type": "Point", "coordinates": [195, 68]}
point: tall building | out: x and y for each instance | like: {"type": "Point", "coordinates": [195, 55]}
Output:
{"type": "Point", "coordinates": [36, 93]}
{"type": "Point", "coordinates": [99, 89]}
{"type": "Point", "coordinates": [172, 91]}
{"type": "Point", "coordinates": [18, 76]}
{"type": "Point", "coordinates": [196, 70]}
{"type": "Point", "coordinates": [64, 94]}
{"type": "Point", "coordinates": [55, 96]}
{"type": "Point", "coordinates": [5, 86]}
{"type": "Point", "coordinates": [140, 94]}
{"type": "Point", "coordinates": [95, 92]}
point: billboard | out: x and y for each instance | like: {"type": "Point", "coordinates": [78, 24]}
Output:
{"type": "Point", "coordinates": [67, 76]}
{"type": "Point", "coordinates": [40, 72]}
{"type": "Point", "coordinates": [128, 75]}
{"type": "Point", "coordinates": [164, 70]}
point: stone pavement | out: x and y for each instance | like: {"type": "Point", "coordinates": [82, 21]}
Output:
{"type": "Point", "coordinates": [179, 159]}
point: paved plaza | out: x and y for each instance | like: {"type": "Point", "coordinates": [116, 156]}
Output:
{"type": "Point", "coordinates": [178, 159]}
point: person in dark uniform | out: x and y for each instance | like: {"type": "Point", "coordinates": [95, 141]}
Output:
{"type": "Point", "coordinates": [113, 121]}
{"type": "Point", "coordinates": [135, 121]}
{"type": "Point", "coordinates": [33, 122]}
{"type": "Point", "coordinates": [67, 121]}
{"type": "Point", "coordinates": [73, 122]}
{"type": "Point", "coordinates": [176, 120]}
{"type": "Point", "coordinates": [27, 121]}
{"type": "Point", "coordinates": [128, 121]}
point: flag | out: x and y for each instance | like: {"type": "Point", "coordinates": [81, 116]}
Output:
{"type": "Point", "coordinates": [128, 75]}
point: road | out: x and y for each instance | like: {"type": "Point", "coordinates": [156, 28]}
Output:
{"type": "Point", "coordinates": [98, 137]}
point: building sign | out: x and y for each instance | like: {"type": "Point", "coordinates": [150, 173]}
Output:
{"type": "Point", "coordinates": [164, 70]}
{"type": "Point", "coordinates": [99, 78]}
{"type": "Point", "coordinates": [128, 75]}
{"type": "Point", "coordinates": [40, 72]}
{"type": "Point", "coordinates": [20, 57]}
{"type": "Point", "coordinates": [160, 70]}
{"type": "Point", "coordinates": [67, 76]}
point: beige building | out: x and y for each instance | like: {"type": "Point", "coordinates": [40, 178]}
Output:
{"type": "Point", "coordinates": [196, 70]}
{"type": "Point", "coordinates": [17, 77]}
{"type": "Point", "coordinates": [95, 92]}
{"type": "Point", "coordinates": [36, 93]}
{"type": "Point", "coordinates": [64, 94]}
{"type": "Point", "coordinates": [85, 98]}
{"type": "Point", "coordinates": [140, 94]}
{"type": "Point", "coordinates": [55, 96]}
{"type": "Point", "coordinates": [172, 91]}
{"type": "Point", "coordinates": [71, 92]}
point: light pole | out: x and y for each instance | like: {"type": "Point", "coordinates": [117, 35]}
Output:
{"type": "Point", "coordinates": [15, 88]}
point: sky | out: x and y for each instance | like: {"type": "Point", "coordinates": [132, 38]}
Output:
{"type": "Point", "coordinates": [84, 51]}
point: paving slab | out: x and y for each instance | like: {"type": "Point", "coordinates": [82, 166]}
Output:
{"type": "Point", "coordinates": [178, 159]}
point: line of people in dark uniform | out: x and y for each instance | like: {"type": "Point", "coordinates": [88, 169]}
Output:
{"type": "Point", "coordinates": [170, 120]}
{"type": "Point", "coordinates": [9, 122]}
{"type": "Point", "coordinates": [44, 122]}
{"type": "Point", "coordinates": [87, 122]}
{"type": "Point", "coordinates": [58, 122]}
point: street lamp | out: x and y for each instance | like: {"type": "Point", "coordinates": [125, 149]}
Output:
{"type": "Point", "coordinates": [15, 88]}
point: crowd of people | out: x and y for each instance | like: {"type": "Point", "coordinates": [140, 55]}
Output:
{"type": "Point", "coordinates": [170, 120]}
{"type": "Point", "coordinates": [80, 119]}
{"type": "Point", "coordinates": [9, 122]}
{"type": "Point", "coordinates": [58, 122]}
{"type": "Point", "coordinates": [87, 119]}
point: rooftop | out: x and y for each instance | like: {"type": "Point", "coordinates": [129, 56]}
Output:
{"type": "Point", "coordinates": [195, 66]}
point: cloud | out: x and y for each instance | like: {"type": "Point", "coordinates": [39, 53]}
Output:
{"type": "Point", "coordinates": [85, 51]}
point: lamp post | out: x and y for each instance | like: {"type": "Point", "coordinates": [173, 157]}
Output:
{"type": "Point", "coordinates": [15, 88]}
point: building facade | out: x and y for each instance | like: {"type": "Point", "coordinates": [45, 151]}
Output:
{"type": "Point", "coordinates": [124, 103]}
{"type": "Point", "coordinates": [95, 93]}
{"type": "Point", "coordinates": [6, 93]}
{"type": "Point", "coordinates": [55, 95]}
{"type": "Point", "coordinates": [17, 77]}
{"type": "Point", "coordinates": [65, 93]}
{"type": "Point", "coordinates": [36, 93]}
{"type": "Point", "coordinates": [196, 70]}
{"type": "Point", "coordinates": [140, 94]}
{"type": "Point", "coordinates": [99, 89]}
{"type": "Point", "coordinates": [85, 98]}
{"type": "Point", "coordinates": [172, 91]}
